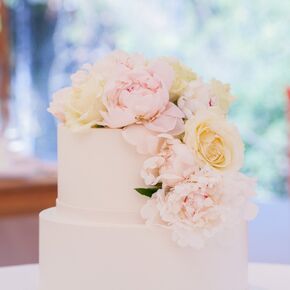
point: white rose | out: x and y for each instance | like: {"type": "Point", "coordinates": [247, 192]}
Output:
{"type": "Point", "coordinates": [214, 140]}
{"type": "Point", "coordinates": [80, 105]}
{"type": "Point", "coordinates": [59, 99]}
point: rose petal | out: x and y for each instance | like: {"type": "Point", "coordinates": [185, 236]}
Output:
{"type": "Point", "coordinates": [56, 106]}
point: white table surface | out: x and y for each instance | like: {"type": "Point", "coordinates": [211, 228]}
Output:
{"type": "Point", "coordinates": [261, 277]}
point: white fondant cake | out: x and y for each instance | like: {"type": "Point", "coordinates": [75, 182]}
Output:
{"type": "Point", "coordinates": [150, 196]}
{"type": "Point", "coordinates": [95, 239]}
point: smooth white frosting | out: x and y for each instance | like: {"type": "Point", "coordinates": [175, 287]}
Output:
{"type": "Point", "coordinates": [97, 174]}
{"type": "Point", "coordinates": [76, 255]}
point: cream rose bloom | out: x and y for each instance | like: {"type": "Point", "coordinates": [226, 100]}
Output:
{"type": "Point", "coordinates": [221, 95]}
{"type": "Point", "coordinates": [183, 76]}
{"type": "Point", "coordinates": [80, 105]}
{"type": "Point", "coordinates": [214, 140]}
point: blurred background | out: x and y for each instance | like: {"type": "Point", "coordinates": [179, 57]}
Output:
{"type": "Point", "coordinates": [245, 43]}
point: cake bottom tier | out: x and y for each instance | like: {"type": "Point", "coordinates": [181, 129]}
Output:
{"type": "Point", "coordinates": [77, 255]}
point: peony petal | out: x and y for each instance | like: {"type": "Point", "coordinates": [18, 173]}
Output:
{"type": "Point", "coordinates": [179, 128]}
{"type": "Point", "coordinates": [153, 162]}
{"type": "Point", "coordinates": [150, 170]}
{"type": "Point", "coordinates": [174, 111]}
{"type": "Point", "coordinates": [162, 124]}
{"type": "Point", "coordinates": [117, 118]}
{"type": "Point", "coordinates": [169, 120]}
{"type": "Point", "coordinates": [149, 211]}
{"type": "Point", "coordinates": [146, 142]}
{"type": "Point", "coordinates": [170, 179]}
{"type": "Point", "coordinates": [164, 71]}
{"type": "Point", "coordinates": [251, 211]}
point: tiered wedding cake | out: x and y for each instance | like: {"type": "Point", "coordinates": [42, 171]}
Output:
{"type": "Point", "coordinates": [167, 213]}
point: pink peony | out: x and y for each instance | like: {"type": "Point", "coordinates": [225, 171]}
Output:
{"type": "Point", "coordinates": [141, 96]}
{"type": "Point", "coordinates": [119, 62]}
{"type": "Point", "coordinates": [173, 164]}
{"type": "Point", "coordinates": [201, 206]}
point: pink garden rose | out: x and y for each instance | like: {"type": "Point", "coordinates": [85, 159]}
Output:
{"type": "Point", "coordinates": [141, 96]}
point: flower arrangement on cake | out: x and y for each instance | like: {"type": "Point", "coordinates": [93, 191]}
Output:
{"type": "Point", "coordinates": [180, 123]}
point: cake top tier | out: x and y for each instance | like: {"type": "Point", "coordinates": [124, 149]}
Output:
{"type": "Point", "coordinates": [97, 174]}
{"type": "Point", "coordinates": [176, 121]}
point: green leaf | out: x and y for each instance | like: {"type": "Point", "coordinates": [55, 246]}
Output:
{"type": "Point", "coordinates": [98, 126]}
{"type": "Point", "coordinates": [158, 185]}
{"type": "Point", "coordinates": [147, 191]}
